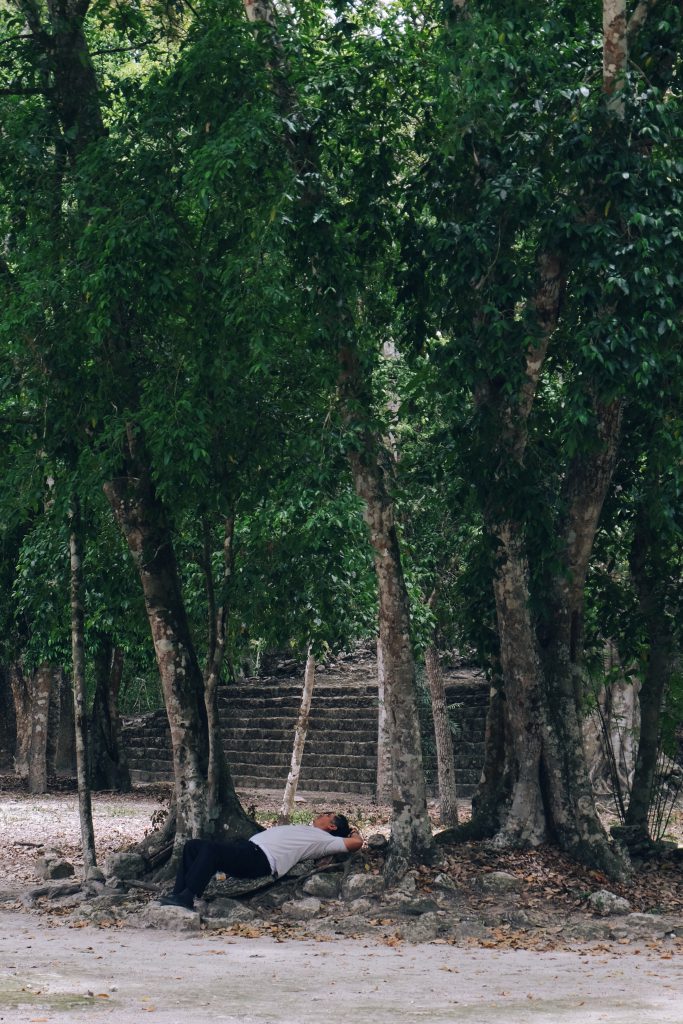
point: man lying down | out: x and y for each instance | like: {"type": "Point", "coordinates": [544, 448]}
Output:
{"type": "Point", "coordinates": [272, 852]}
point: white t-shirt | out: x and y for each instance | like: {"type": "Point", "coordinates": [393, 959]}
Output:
{"type": "Point", "coordinates": [286, 845]}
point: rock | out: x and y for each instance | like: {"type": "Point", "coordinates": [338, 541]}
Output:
{"type": "Point", "coordinates": [125, 864]}
{"type": "Point", "coordinates": [407, 885]}
{"type": "Point", "coordinates": [229, 911]}
{"type": "Point", "coordinates": [376, 841]}
{"type": "Point", "coordinates": [51, 865]}
{"type": "Point", "coordinates": [408, 907]}
{"type": "Point", "coordinates": [362, 885]}
{"type": "Point", "coordinates": [442, 881]}
{"type": "Point", "coordinates": [325, 887]}
{"type": "Point", "coordinates": [360, 906]}
{"type": "Point", "coordinates": [94, 874]}
{"type": "Point", "coordinates": [642, 926]}
{"type": "Point", "coordinates": [424, 929]}
{"type": "Point", "coordinates": [355, 924]}
{"type": "Point", "coordinates": [176, 919]}
{"type": "Point", "coordinates": [605, 903]}
{"type": "Point", "coordinates": [214, 923]}
{"type": "Point", "coordinates": [272, 900]}
{"type": "Point", "coordinates": [499, 881]}
{"type": "Point", "coordinates": [302, 910]}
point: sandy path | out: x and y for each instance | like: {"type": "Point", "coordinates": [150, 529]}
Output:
{"type": "Point", "coordinates": [61, 975]}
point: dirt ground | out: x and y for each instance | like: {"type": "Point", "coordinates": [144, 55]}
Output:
{"type": "Point", "coordinates": [60, 972]}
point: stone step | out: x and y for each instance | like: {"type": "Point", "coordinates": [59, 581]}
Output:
{"type": "Point", "coordinates": [312, 785]}
{"type": "Point", "coordinates": [322, 747]}
{"type": "Point", "coordinates": [328, 772]}
{"type": "Point", "coordinates": [277, 698]}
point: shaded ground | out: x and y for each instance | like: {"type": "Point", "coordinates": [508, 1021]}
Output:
{"type": "Point", "coordinates": [64, 976]}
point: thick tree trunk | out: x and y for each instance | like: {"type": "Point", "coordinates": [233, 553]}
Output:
{"type": "Point", "coordinates": [411, 838]}
{"type": "Point", "coordinates": [142, 520]}
{"type": "Point", "coordinates": [660, 666]}
{"type": "Point", "coordinates": [8, 736]}
{"type": "Point", "coordinates": [524, 820]}
{"type": "Point", "coordinates": [41, 687]}
{"type": "Point", "coordinates": [80, 705]}
{"type": "Point", "coordinates": [108, 763]}
{"type": "Point", "coordinates": [445, 760]}
{"type": "Point", "coordinates": [383, 782]}
{"type": "Point", "coordinates": [20, 685]}
{"type": "Point", "coordinates": [299, 741]}
{"type": "Point", "coordinates": [493, 793]}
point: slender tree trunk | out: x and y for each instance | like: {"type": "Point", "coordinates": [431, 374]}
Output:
{"type": "Point", "coordinates": [383, 783]}
{"type": "Point", "coordinates": [78, 669]}
{"type": "Point", "coordinates": [299, 741]}
{"type": "Point", "coordinates": [220, 790]}
{"type": "Point", "coordinates": [41, 687]}
{"type": "Point", "coordinates": [445, 760]}
{"type": "Point", "coordinates": [108, 763]}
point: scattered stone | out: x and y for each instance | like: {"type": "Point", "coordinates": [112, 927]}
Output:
{"type": "Point", "coordinates": [362, 885]}
{"type": "Point", "coordinates": [360, 906]}
{"type": "Point", "coordinates": [302, 910]}
{"type": "Point", "coordinates": [499, 881]}
{"type": "Point", "coordinates": [605, 903]}
{"type": "Point", "coordinates": [228, 911]}
{"type": "Point", "coordinates": [407, 885]}
{"type": "Point", "coordinates": [52, 865]}
{"type": "Point", "coordinates": [376, 841]}
{"type": "Point", "coordinates": [175, 919]}
{"type": "Point", "coordinates": [273, 899]}
{"type": "Point", "coordinates": [324, 886]}
{"type": "Point", "coordinates": [642, 926]}
{"type": "Point", "coordinates": [355, 924]}
{"type": "Point", "coordinates": [408, 907]}
{"type": "Point", "coordinates": [442, 881]}
{"type": "Point", "coordinates": [424, 929]}
{"type": "Point", "coordinates": [125, 864]}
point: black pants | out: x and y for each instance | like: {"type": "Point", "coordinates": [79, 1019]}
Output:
{"type": "Point", "coordinates": [202, 858]}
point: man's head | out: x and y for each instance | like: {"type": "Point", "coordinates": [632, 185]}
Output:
{"type": "Point", "coordinates": [337, 824]}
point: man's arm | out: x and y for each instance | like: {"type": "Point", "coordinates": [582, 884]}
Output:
{"type": "Point", "coordinates": [354, 841]}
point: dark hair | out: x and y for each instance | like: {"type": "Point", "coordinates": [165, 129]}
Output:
{"type": "Point", "coordinates": [342, 827]}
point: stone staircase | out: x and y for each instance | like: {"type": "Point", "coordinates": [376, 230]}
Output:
{"type": "Point", "coordinates": [258, 716]}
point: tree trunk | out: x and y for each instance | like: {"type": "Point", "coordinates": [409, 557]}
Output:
{"type": "Point", "coordinates": [445, 760]}
{"type": "Point", "coordinates": [108, 763]}
{"type": "Point", "coordinates": [80, 706]}
{"type": "Point", "coordinates": [21, 692]}
{"type": "Point", "coordinates": [524, 820]}
{"type": "Point", "coordinates": [411, 830]}
{"type": "Point", "coordinates": [8, 736]}
{"type": "Point", "coordinates": [299, 741]}
{"type": "Point", "coordinates": [383, 782]}
{"type": "Point", "coordinates": [660, 666]}
{"type": "Point", "coordinates": [142, 520]}
{"type": "Point", "coordinates": [411, 839]}
{"type": "Point", "coordinates": [41, 687]}
{"type": "Point", "coordinates": [493, 793]}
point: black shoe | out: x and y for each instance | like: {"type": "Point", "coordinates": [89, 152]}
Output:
{"type": "Point", "coordinates": [175, 899]}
